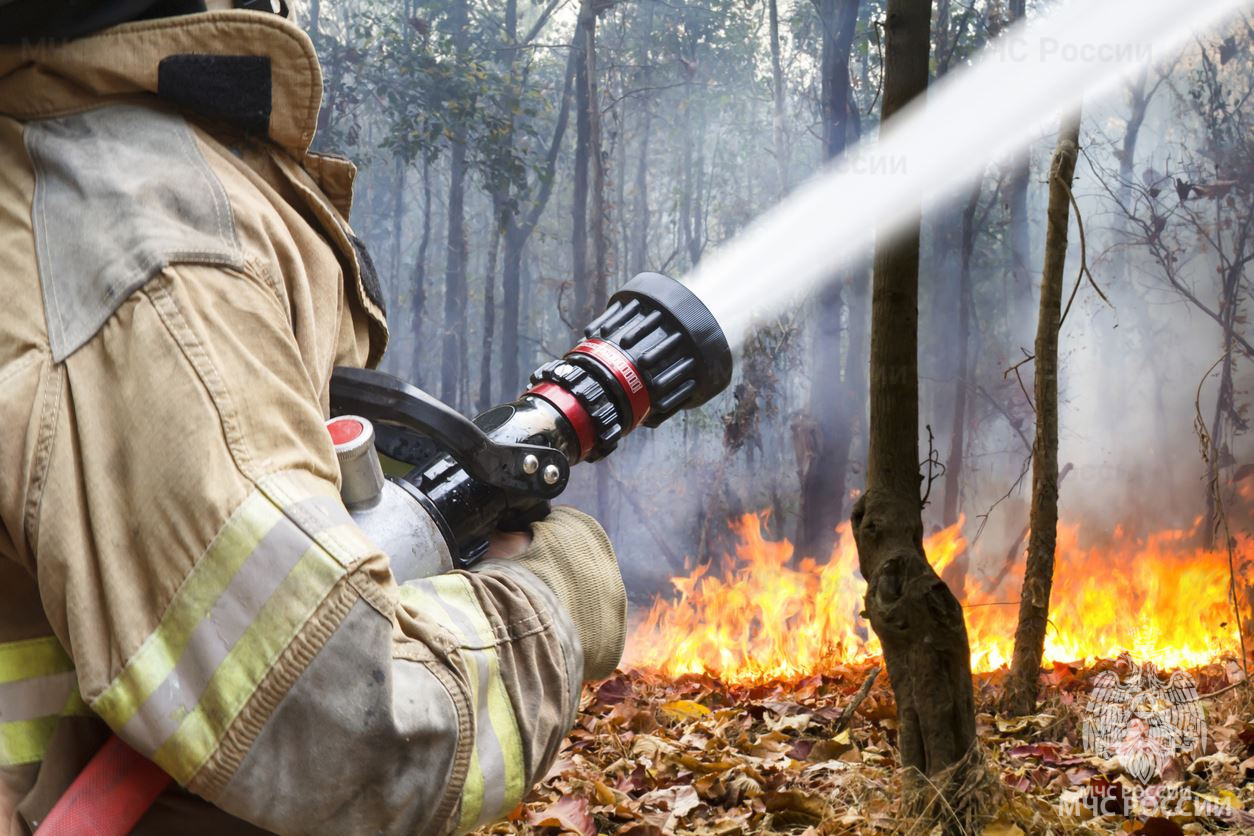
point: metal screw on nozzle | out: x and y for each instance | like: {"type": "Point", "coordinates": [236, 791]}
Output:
{"type": "Point", "coordinates": [530, 464]}
{"type": "Point", "coordinates": [551, 474]}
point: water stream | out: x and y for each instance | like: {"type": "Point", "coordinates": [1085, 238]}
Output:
{"type": "Point", "coordinates": [1012, 92]}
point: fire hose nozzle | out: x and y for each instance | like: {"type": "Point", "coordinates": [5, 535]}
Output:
{"type": "Point", "coordinates": [656, 350]}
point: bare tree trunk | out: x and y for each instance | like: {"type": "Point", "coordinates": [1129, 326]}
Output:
{"type": "Point", "coordinates": [777, 79]}
{"type": "Point", "coordinates": [485, 399]}
{"type": "Point", "coordinates": [1017, 198]}
{"type": "Point", "coordinates": [962, 377]}
{"type": "Point", "coordinates": [455, 273]}
{"type": "Point", "coordinates": [454, 342]}
{"type": "Point", "coordinates": [597, 293]}
{"type": "Point", "coordinates": [1226, 412]}
{"type": "Point", "coordinates": [638, 246]}
{"type": "Point", "coordinates": [597, 220]}
{"type": "Point", "coordinates": [417, 373]}
{"type": "Point", "coordinates": [640, 200]}
{"type": "Point", "coordinates": [1038, 578]}
{"type": "Point", "coordinates": [511, 312]}
{"type": "Point", "coordinates": [398, 228]}
{"type": "Point", "coordinates": [824, 473]}
{"type": "Point", "coordinates": [579, 197]}
{"type": "Point", "coordinates": [517, 230]}
{"type": "Point", "coordinates": [917, 618]}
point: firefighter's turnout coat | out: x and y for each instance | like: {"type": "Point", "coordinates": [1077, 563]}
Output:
{"type": "Point", "coordinates": [177, 280]}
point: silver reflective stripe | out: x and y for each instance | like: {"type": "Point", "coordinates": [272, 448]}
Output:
{"type": "Point", "coordinates": [496, 776]}
{"type": "Point", "coordinates": [267, 571]}
{"type": "Point", "coordinates": [216, 635]}
{"type": "Point", "coordinates": [37, 688]}
{"type": "Point", "coordinates": [29, 699]}
{"type": "Point", "coordinates": [320, 513]}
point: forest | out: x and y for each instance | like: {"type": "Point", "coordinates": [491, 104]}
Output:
{"type": "Point", "coordinates": [999, 495]}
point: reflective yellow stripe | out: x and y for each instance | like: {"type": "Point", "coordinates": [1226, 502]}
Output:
{"type": "Point", "coordinates": [33, 657]}
{"type": "Point", "coordinates": [156, 657]}
{"type": "Point", "coordinates": [37, 689]}
{"type": "Point", "coordinates": [239, 675]}
{"type": "Point", "coordinates": [26, 741]}
{"type": "Point", "coordinates": [266, 572]}
{"type": "Point", "coordinates": [456, 590]}
{"type": "Point", "coordinates": [473, 790]}
{"type": "Point", "coordinates": [496, 780]}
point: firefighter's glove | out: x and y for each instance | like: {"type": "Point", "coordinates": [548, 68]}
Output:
{"type": "Point", "coordinates": [571, 554]}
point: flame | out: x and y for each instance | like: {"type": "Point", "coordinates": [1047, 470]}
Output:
{"type": "Point", "coordinates": [758, 616]}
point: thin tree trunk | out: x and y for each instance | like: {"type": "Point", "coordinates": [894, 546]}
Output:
{"type": "Point", "coordinates": [597, 221]}
{"type": "Point", "coordinates": [518, 229]}
{"type": "Point", "coordinates": [579, 197]}
{"type": "Point", "coordinates": [1017, 198]}
{"type": "Point", "coordinates": [398, 228]}
{"type": "Point", "coordinates": [777, 79]}
{"type": "Point", "coordinates": [640, 200]}
{"type": "Point", "coordinates": [511, 272]}
{"type": "Point", "coordinates": [597, 282]}
{"type": "Point", "coordinates": [489, 323]}
{"type": "Point", "coordinates": [917, 618]}
{"type": "Point", "coordinates": [452, 354]}
{"type": "Point", "coordinates": [1225, 404]}
{"type": "Point", "coordinates": [826, 468]}
{"type": "Point", "coordinates": [419, 303]}
{"type": "Point", "coordinates": [1038, 578]}
{"type": "Point", "coordinates": [962, 376]}
{"type": "Point", "coordinates": [638, 249]}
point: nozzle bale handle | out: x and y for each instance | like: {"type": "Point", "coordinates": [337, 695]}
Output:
{"type": "Point", "coordinates": [510, 466]}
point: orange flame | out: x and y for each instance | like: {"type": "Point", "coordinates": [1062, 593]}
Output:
{"type": "Point", "coordinates": [760, 618]}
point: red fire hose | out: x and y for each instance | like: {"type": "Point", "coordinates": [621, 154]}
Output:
{"type": "Point", "coordinates": [110, 795]}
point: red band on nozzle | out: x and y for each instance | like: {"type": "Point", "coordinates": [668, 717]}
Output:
{"type": "Point", "coordinates": [624, 370]}
{"type": "Point", "coordinates": [572, 410]}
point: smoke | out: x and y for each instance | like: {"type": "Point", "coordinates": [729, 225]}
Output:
{"type": "Point", "coordinates": [1022, 81]}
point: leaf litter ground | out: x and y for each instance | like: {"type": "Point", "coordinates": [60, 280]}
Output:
{"type": "Point", "coordinates": [653, 755]}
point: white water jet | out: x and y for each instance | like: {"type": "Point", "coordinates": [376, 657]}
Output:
{"type": "Point", "coordinates": [1016, 88]}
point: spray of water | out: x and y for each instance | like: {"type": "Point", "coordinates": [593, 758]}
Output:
{"type": "Point", "coordinates": [1014, 90]}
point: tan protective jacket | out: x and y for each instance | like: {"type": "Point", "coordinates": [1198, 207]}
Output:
{"type": "Point", "coordinates": [178, 280]}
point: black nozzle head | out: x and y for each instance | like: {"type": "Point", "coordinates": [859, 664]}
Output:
{"type": "Point", "coordinates": [674, 341]}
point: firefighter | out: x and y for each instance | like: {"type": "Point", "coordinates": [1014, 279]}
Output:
{"type": "Point", "coordinates": [176, 566]}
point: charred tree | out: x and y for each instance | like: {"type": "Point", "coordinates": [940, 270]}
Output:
{"type": "Point", "coordinates": [917, 618]}
{"type": "Point", "coordinates": [1038, 578]}
{"type": "Point", "coordinates": [824, 470]}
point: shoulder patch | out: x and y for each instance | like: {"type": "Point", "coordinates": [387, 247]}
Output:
{"type": "Point", "coordinates": [121, 192]}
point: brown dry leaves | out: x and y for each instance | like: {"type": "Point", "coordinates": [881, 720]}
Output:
{"type": "Point", "coordinates": [690, 756]}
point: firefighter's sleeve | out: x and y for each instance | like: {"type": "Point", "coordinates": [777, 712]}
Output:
{"type": "Point", "coordinates": [228, 620]}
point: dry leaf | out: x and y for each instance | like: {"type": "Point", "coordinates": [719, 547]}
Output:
{"type": "Point", "coordinates": [570, 813]}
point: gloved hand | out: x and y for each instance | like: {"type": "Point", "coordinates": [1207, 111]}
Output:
{"type": "Point", "coordinates": [571, 554]}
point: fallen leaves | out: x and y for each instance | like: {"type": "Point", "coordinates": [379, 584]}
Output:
{"type": "Point", "coordinates": [690, 756]}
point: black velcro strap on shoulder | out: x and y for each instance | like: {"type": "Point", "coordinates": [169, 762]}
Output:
{"type": "Point", "coordinates": [369, 276]}
{"type": "Point", "coordinates": [233, 88]}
